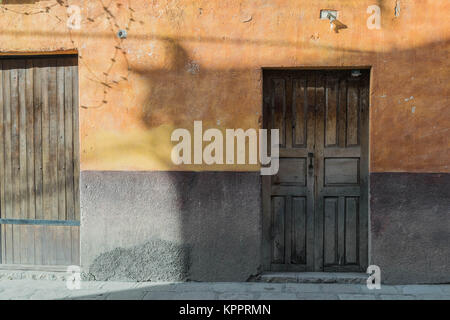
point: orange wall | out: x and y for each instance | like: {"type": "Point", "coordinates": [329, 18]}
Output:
{"type": "Point", "coordinates": [201, 60]}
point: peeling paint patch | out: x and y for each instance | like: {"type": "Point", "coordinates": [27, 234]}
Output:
{"type": "Point", "coordinates": [315, 36]}
{"type": "Point", "coordinates": [246, 17]}
{"type": "Point", "coordinates": [397, 9]}
{"type": "Point", "coordinates": [193, 67]}
{"type": "Point", "coordinates": [413, 109]}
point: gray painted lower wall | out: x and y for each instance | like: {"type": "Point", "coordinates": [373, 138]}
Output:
{"type": "Point", "coordinates": [206, 226]}
{"type": "Point", "coordinates": [410, 222]}
{"type": "Point", "coordinates": [202, 226]}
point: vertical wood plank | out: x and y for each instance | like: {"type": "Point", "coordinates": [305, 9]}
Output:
{"type": "Point", "coordinates": [266, 182]}
{"type": "Point", "coordinates": [31, 203]}
{"type": "Point", "coordinates": [331, 112]}
{"type": "Point", "coordinates": [46, 165]}
{"type": "Point", "coordinates": [364, 175]}
{"type": "Point", "coordinates": [69, 142]}
{"type": "Point", "coordinates": [53, 140]}
{"type": "Point", "coordinates": [2, 168]}
{"type": "Point", "coordinates": [23, 182]}
{"type": "Point", "coordinates": [61, 161]}
{"type": "Point", "coordinates": [76, 138]}
{"type": "Point", "coordinates": [300, 106]}
{"type": "Point", "coordinates": [353, 114]}
{"type": "Point", "coordinates": [319, 172]}
{"type": "Point", "coordinates": [278, 225]}
{"type": "Point", "coordinates": [341, 220]}
{"type": "Point", "coordinates": [63, 245]}
{"type": "Point", "coordinates": [8, 213]}
{"type": "Point", "coordinates": [15, 158]}
{"type": "Point", "coordinates": [279, 108]}
{"type": "Point", "coordinates": [288, 229]}
{"type": "Point", "coordinates": [38, 78]}
{"type": "Point", "coordinates": [38, 245]}
{"type": "Point", "coordinates": [330, 230]}
{"type": "Point", "coordinates": [351, 230]}
{"type": "Point", "coordinates": [311, 176]}
{"type": "Point", "coordinates": [75, 240]}
{"type": "Point", "coordinates": [289, 117]}
{"type": "Point", "coordinates": [19, 230]}
{"type": "Point", "coordinates": [298, 255]}
{"type": "Point", "coordinates": [27, 243]}
{"type": "Point", "coordinates": [342, 114]}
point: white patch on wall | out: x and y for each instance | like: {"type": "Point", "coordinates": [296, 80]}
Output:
{"type": "Point", "coordinates": [374, 20]}
{"type": "Point", "coordinates": [74, 20]}
{"type": "Point", "coordinates": [152, 48]}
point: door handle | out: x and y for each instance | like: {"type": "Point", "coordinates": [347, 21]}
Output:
{"type": "Point", "coordinates": [311, 156]}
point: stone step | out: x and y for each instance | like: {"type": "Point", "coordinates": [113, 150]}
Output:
{"type": "Point", "coordinates": [312, 277]}
{"type": "Point", "coordinates": [33, 272]}
{"type": "Point", "coordinates": [32, 275]}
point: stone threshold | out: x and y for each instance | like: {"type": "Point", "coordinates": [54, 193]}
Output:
{"type": "Point", "coordinates": [32, 272]}
{"type": "Point", "coordinates": [312, 277]}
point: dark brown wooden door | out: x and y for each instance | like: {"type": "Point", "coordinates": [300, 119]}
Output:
{"type": "Point", "coordinates": [39, 161]}
{"type": "Point", "coordinates": [315, 208]}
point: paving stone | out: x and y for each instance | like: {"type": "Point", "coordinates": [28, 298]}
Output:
{"type": "Point", "coordinates": [236, 296]}
{"type": "Point", "coordinates": [118, 286]}
{"type": "Point", "coordinates": [126, 295]}
{"type": "Point", "coordinates": [157, 286]}
{"type": "Point", "coordinates": [238, 287]}
{"type": "Point", "coordinates": [396, 297]}
{"type": "Point", "coordinates": [194, 295]}
{"type": "Point", "coordinates": [357, 297]}
{"type": "Point", "coordinates": [383, 290]}
{"type": "Point", "coordinates": [159, 295]}
{"type": "Point", "coordinates": [445, 289]}
{"type": "Point", "coordinates": [49, 295]}
{"type": "Point", "coordinates": [276, 296]}
{"type": "Point", "coordinates": [341, 288]}
{"type": "Point", "coordinates": [89, 297]}
{"type": "Point", "coordinates": [422, 289]}
{"type": "Point", "coordinates": [267, 287]}
{"type": "Point", "coordinates": [317, 296]}
{"type": "Point", "coordinates": [302, 287]}
{"type": "Point", "coordinates": [190, 286]}
{"type": "Point", "coordinates": [432, 297]}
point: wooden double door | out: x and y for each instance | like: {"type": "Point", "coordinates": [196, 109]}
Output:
{"type": "Point", "coordinates": [315, 209]}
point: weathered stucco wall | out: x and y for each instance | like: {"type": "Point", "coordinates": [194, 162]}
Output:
{"type": "Point", "coordinates": [201, 60]}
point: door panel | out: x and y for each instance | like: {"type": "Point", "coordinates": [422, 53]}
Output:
{"type": "Point", "coordinates": [289, 107]}
{"type": "Point", "coordinates": [39, 213]}
{"type": "Point", "coordinates": [315, 208]}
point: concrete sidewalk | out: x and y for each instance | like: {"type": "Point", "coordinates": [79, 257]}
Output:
{"type": "Point", "coordinates": [47, 289]}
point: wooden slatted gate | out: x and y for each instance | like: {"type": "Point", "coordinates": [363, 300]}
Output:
{"type": "Point", "coordinates": [39, 160]}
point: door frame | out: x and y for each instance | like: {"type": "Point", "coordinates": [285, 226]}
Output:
{"type": "Point", "coordinates": [266, 242]}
